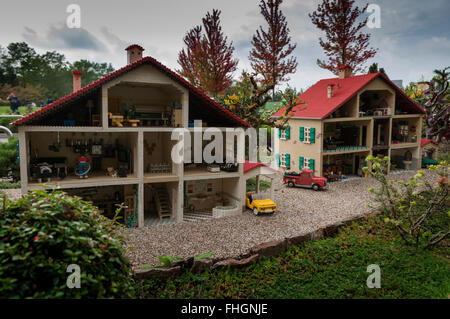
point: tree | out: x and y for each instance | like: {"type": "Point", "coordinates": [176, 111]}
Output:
{"type": "Point", "coordinates": [208, 59]}
{"type": "Point", "coordinates": [92, 71]}
{"type": "Point", "coordinates": [374, 69]}
{"type": "Point", "coordinates": [435, 100]}
{"type": "Point", "coordinates": [345, 44]}
{"type": "Point", "coordinates": [272, 49]}
{"type": "Point", "coordinates": [250, 107]}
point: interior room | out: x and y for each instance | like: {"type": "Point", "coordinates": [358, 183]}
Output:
{"type": "Point", "coordinates": [376, 103]}
{"type": "Point", "coordinates": [404, 130]}
{"type": "Point", "coordinates": [211, 198]}
{"type": "Point", "coordinates": [381, 134]}
{"type": "Point", "coordinates": [345, 136]}
{"type": "Point", "coordinates": [339, 165]}
{"type": "Point", "coordinates": [144, 105]}
{"type": "Point", "coordinates": [84, 111]}
{"type": "Point", "coordinates": [157, 154]}
{"type": "Point", "coordinates": [75, 157]}
{"type": "Point", "coordinates": [405, 158]}
{"type": "Point", "coordinates": [109, 198]}
{"type": "Point", "coordinates": [193, 169]}
{"type": "Point", "coordinates": [159, 203]}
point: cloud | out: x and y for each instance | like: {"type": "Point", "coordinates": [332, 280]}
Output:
{"type": "Point", "coordinates": [113, 39]}
{"type": "Point", "coordinates": [61, 37]}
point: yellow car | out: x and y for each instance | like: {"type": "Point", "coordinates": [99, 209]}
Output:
{"type": "Point", "coordinates": [259, 204]}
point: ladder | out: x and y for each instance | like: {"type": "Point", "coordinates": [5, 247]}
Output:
{"type": "Point", "coordinates": [162, 202]}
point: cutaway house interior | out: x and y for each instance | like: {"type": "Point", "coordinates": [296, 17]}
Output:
{"type": "Point", "coordinates": [340, 121]}
{"type": "Point", "coordinates": [111, 143]}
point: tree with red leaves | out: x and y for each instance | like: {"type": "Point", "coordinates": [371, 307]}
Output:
{"type": "Point", "coordinates": [272, 48]}
{"type": "Point", "coordinates": [344, 44]}
{"type": "Point", "coordinates": [208, 59]}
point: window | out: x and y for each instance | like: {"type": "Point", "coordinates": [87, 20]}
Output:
{"type": "Point", "coordinates": [305, 163]}
{"type": "Point", "coordinates": [285, 160]}
{"type": "Point", "coordinates": [283, 134]}
{"type": "Point", "coordinates": [307, 135]}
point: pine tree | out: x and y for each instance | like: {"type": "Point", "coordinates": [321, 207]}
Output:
{"type": "Point", "coordinates": [272, 48]}
{"type": "Point", "coordinates": [208, 59]}
{"type": "Point", "coordinates": [345, 44]}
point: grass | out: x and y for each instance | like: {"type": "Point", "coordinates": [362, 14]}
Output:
{"type": "Point", "coordinates": [251, 184]}
{"type": "Point", "coordinates": [327, 268]}
{"type": "Point", "coordinates": [22, 110]}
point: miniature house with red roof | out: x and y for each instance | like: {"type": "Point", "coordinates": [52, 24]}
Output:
{"type": "Point", "coordinates": [110, 142]}
{"type": "Point", "coordinates": [340, 121]}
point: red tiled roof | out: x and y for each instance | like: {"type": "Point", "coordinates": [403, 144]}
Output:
{"type": "Point", "coordinates": [248, 166]}
{"type": "Point", "coordinates": [425, 141]}
{"type": "Point", "coordinates": [96, 84]}
{"type": "Point", "coordinates": [319, 106]}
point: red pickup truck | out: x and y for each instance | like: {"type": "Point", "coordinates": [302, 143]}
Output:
{"type": "Point", "coordinates": [305, 178]}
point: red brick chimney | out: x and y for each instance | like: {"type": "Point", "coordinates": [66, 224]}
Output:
{"type": "Point", "coordinates": [76, 80]}
{"type": "Point", "coordinates": [134, 53]}
{"type": "Point", "coordinates": [344, 71]}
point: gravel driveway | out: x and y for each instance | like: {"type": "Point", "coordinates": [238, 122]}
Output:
{"type": "Point", "coordinates": [300, 211]}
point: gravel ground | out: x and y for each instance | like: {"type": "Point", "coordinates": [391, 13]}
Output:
{"type": "Point", "coordinates": [300, 211]}
{"type": "Point", "coordinates": [14, 193]}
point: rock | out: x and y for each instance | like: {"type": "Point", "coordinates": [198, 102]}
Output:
{"type": "Point", "coordinates": [184, 263]}
{"type": "Point", "coordinates": [316, 234]}
{"type": "Point", "coordinates": [331, 230]}
{"type": "Point", "coordinates": [161, 273]}
{"type": "Point", "coordinates": [297, 240]}
{"type": "Point", "coordinates": [235, 263]}
{"type": "Point", "coordinates": [200, 265]}
{"type": "Point", "coordinates": [269, 249]}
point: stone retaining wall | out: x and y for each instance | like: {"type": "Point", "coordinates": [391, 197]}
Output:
{"type": "Point", "coordinates": [267, 249]}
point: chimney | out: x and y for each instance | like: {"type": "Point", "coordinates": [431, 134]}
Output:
{"type": "Point", "coordinates": [330, 90]}
{"type": "Point", "coordinates": [76, 80]}
{"type": "Point", "coordinates": [344, 71]}
{"type": "Point", "coordinates": [134, 53]}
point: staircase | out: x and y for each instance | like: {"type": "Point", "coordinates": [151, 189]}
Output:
{"type": "Point", "coordinates": [189, 216]}
{"type": "Point", "coordinates": [162, 202]}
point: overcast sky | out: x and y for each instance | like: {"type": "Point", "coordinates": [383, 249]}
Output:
{"type": "Point", "coordinates": [414, 37]}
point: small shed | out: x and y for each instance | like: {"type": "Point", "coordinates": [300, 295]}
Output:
{"type": "Point", "coordinates": [429, 149]}
{"type": "Point", "coordinates": [254, 169]}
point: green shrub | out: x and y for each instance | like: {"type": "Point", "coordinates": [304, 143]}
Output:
{"type": "Point", "coordinates": [6, 121]}
{"type": "Point", "coordinates": [45, 232]}
{"type": "Point", "coordinates": [9, 185]}
{"type": "Point", "coordinates": [9, 164]}
{"type": "Point", "coordinates": [417, 209]}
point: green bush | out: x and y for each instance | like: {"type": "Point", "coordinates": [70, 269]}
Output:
{"type": "Point", "coordinates": [45, 232]}
{"type": "Point", "coordinates": [6, 121]}
{"type": "Point", "coordinates": [9, 164]}
{"type": "Point", "coordinates": [9, 185]}
{"type": "Point", "coordinates": [417, 209]}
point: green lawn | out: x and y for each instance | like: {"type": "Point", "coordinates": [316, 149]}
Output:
{"type": "Point", "coordinates": [326, 268]}
{"type": "Point", "coordinates": [22, 110]}
{"type": "Point", "coordinates": [251, 184]}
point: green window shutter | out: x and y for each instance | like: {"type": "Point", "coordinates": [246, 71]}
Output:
{"type": "Point", "coordinates": [277, 157]}
{"type": "Point", "coordinates": [288, 161]}
{"type": "Point", "coordinates": [301, 160]}
{"type": "Point", "coordinates": [288, 132]}
{"type": "Point", "coordinates": [312, 135]}
{"type": "Point", "coordinates": [311, 164]}
{"type": "Point", "coordinates": [301, 133]}
{"type": "Point", "coordinates": [279, 133]}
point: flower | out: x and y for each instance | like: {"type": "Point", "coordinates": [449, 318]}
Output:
{"type": "Point", "coordinates": [36, 238]}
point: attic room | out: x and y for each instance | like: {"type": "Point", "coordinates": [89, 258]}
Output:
{"type": "Point", "coordinates": [144, 105]}
{"type": "Point", "coordinates": [376, 103]}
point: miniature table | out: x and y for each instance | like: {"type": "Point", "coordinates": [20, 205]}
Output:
{"type": "Point", "coordinates": [133, 123]}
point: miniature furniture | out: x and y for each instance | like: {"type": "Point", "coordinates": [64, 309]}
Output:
{"type": "Point", "coordinates": [162, 202]}
{"type": "Point", "coordinates": [116, 120]}
{"type": "Point", "coordinates": [132, 123]}
{"type": "Point", "coordinates": [96, 120]}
